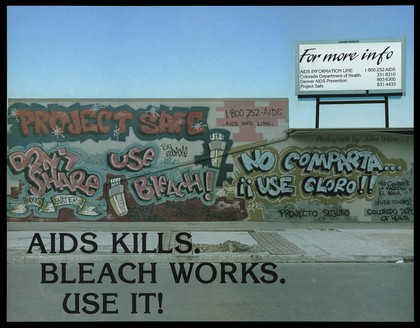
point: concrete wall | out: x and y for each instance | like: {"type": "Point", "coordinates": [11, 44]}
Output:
{"type": "Point", "coordinates": [198, 160]}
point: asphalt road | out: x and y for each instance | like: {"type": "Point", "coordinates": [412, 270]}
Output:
{"type": "Point", "coordinates": [215, 292]}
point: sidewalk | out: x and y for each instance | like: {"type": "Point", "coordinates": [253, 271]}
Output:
{"type": "Point", "coordinates": [221, 242]}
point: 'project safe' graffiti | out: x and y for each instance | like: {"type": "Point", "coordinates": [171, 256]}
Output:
{"type": "Point", "coordinates": [164, 163]}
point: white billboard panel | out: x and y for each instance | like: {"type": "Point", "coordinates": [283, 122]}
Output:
{"type": "Point", "coordinates": [350, 67]}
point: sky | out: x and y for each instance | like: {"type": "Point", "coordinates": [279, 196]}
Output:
{"type": "Point", "coordinates": [197, 52]}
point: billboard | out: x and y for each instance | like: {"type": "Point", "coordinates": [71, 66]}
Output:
{"type": "Point", "coordinates": [356, 67]}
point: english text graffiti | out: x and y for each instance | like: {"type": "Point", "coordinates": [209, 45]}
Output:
{"type": "Point", "coordinates": [75, 122]}
{"type": "Point", "coordinates": [52, 172]}
{"type": "Point", "coordinates": [158, 187]}
{"type": "Point", "coordinates": [167, 123]}
{"type": "Point", "coordinates": [100, 122]}
{"type": "Point", "coordinates": [134, 160]}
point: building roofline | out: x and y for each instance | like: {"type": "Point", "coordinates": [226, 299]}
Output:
{"type": "Point", "coordinates": [315, 131]}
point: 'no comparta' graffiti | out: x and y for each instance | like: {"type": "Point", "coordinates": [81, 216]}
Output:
{"type": "Point", "coordinates": [313, 172]}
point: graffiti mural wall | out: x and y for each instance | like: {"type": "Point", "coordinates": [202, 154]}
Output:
{"type": "Point", "coordinates": [198, 160]}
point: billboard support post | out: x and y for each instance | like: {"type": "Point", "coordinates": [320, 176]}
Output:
{"type": "Point", "coordinates": [386, 112]}
{"type": "Point", "coordinates": [346, 102]}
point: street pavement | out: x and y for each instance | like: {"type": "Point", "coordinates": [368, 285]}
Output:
{"type": "Point", "coordinates": [212, 242]}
